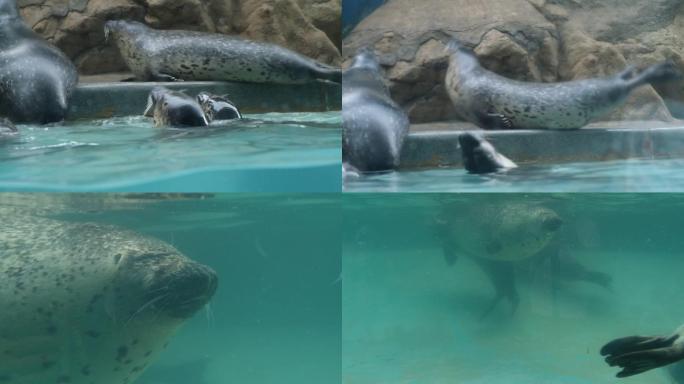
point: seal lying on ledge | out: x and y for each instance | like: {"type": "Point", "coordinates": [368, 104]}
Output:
{"type": "Point", "coordinates": [638, 354]}
{"type": "Point", "coordinates": [492, 101]}
{"type": "Point", "coordinates": [155, 55]}
{"type": "Point", "coordinates": [174, 109]}
{"type": "Point", "coordinates": [374, 126]}
{"type": "Point", "coordinates": [89, 303]}
{"type": "Point", "coordinates": [479, 156]}
{"type": "Point", "coordinates": [36, 78]}
{"type": "Point", "coordinates": [218, 107]}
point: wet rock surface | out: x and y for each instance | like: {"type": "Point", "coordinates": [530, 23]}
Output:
{"type": "Point", "coordinates": [310, 27]}
{"type": "Point", "coordinates": [529, 40]}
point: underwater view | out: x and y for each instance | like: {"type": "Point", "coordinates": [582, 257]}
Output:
{"type": "Point", "coordinates": [512, 288]}
{"type": "Point", "coordinates": [264, 152]}
{"type": "Point", "coordinates": [174, 288]}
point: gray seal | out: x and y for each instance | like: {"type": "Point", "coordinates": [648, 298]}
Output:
{"type": "Point", "coordinates": [492, 101]}
{"type": "Point", "coordinates": [638, 354]}
{"type": "Point", "coordinates": [374, 126]}
{"type": "Point", "coordinates": [218, 107]}
{"type": "Point", "coordinates": [479, 156]}
{"type": "Point", "coordinates": [174, 109]}
{"type": "Point", "coordinates": [36, 78]}
{"type": "Point", "coordinates": [90, 303]}
{"type": "Point", "coordinates": [156, 55]}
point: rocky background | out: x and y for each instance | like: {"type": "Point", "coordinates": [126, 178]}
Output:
{"type": "Point", "coordinates": [532, 40]}
{"type": "Point", "coordinates": [310, 27]}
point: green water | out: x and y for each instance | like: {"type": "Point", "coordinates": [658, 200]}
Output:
{"type": "Point", "coordinates": [409, 318]}
{"type": "Point", "coordinates": [276, 315]}
{"type": "Point", "coordinates": [276, 152]}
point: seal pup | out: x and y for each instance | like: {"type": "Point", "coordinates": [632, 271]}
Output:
{"type": "Point", "coordinates": [479, 156]}
{"type": "Point", "coordinates": [174, 109]}
{"type": "Point", "coordinates": [172, 55]}
{"type": "Point", "coordinates": [90, 303]}
{"type": "Point", "coordinates": [492, 101]}
{"type": "Point", "coordinates": [218, 107]}
{"type": "Point", "coordinates": [638, 354]}
{"type": "Point", "coordinates": [374, 126]}
{"type": "Point", "coordinates": [36, 78]}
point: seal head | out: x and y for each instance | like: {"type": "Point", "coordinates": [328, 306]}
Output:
{"type": "Point", "coordinates": [174, 109]}
{"type": "Point", "coordinates": [479, 156]}
{"type": "Point", "coordinates": [218, 107]}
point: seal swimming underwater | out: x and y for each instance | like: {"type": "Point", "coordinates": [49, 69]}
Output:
{"type": "Point", "coordinates": [173, 55]}
{"type": "Point", "coordinates": [492, 101]}
{"type": "Point", "coordinates": [174, 109]}
{"type": "Point", "coordinates": [89, 303]}
{"type": "Point", "coordinates": [374, 126]}
{"type": "Point", "coordinates": [36, 78]}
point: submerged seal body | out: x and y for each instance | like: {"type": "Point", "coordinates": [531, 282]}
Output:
{"type": "Point", "coordinates": [174, 109]}
{"type": "Point", "coordinates": [218, 107]}
{"type": "Point", "coordinates": [88, 303]}
{"type": "Point", "coordinates": [36, 78]}
{"type": "Point", "coordinates": [479, 156]}
{"type": "Point", "coordinates": [184, 55]}
{"type": "Point", "coordinates": [492, 101]}
{"type": "Point", "coordinates": [374, 126]}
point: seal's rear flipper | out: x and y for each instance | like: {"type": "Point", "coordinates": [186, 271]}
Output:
{"type": "Point", "coordinates": [629, 344]}
{"type": "Point", "coordinates": [665, 71]}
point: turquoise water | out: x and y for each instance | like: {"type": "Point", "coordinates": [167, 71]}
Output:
{"type": "Point", "coordinates": [276, 152]}
{"type": "Point", "coordinates": [638, 175]}
{"type": "Point", "coordinates": [410, 318]}
{"type": "Point", "coordinates": [276, 315]}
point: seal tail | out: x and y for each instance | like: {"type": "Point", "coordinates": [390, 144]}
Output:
{"type": "Point", "coordinates": [329, 73]}
{"type": "Point", "coordinates": [658, 73]}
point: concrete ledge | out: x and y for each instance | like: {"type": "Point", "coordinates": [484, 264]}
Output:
{"type": "Point", "coordinates": [426, 148]}
{"type": "Point", "coordinates": [104, 100]}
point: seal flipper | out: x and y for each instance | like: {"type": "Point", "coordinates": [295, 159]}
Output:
{"type": "Point", "coordinates": [502, 276]}
{"type": "Point", "coordinates": [630, 344]}
{"type": "Point", "coordinates": [658, 73]}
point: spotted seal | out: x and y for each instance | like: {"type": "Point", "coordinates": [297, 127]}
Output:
{"type": "Point", "coordinates": [496, 237]}
{"type": "Point", "coordinates": [374, 126]}
{"type": "Point", "coordinates": [492, 101]}
{"type": "Point", "coordinates": [638, 354]}
{"type": "Point", "coordinates": [36, 78]}
{"type": "Point", "coordinates": [173, 55]}
{"type": "Point", "coordinates": [89, 303]}
{"type": "Point", "coordinates": [479, 156]}
{"type": "Point", "coordinates": [174, 109]}
{"type": "Point", "coordinates": [218, 107]}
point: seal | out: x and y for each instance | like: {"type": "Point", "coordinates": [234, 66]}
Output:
{"type": "Point", "coordinates": [638, 354]}
{"type": "Point", "coordinates": [7, 128]}
{"type": "Point", "coordinates": [496, 237]}
{"type": "Point", "coordinates": [218, 107]}
{"type": "Point", "coordinates": [492, 101]}
{"type": "Point", "coordinates": [90, 303]}
{"type": "Point", "coordinates": [479, 156]}
{"type": "Point", "coordinates": [374, 126]}
{"type": "Point", "coordinates": [36, 78]}
{"type": "Point", "coordinates": [156, 55]}
{"type": "Point", "coordinates": [174, 109]}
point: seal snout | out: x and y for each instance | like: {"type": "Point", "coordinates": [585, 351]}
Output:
{"type": "Point", "coordinates": [552, 223]}
{"type": "Point", "coordinates": [189, 289]}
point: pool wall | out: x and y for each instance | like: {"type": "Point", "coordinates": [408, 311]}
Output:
{"type": "Point", "coordinates": [437, 147]}
{"type": "Point", "coordinates": [105, 100]}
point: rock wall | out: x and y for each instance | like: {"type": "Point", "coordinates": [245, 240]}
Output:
{"type": "Point", "coordinates": [532, 40]}
{"type": "Point", "coordinates": [310, 27]}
